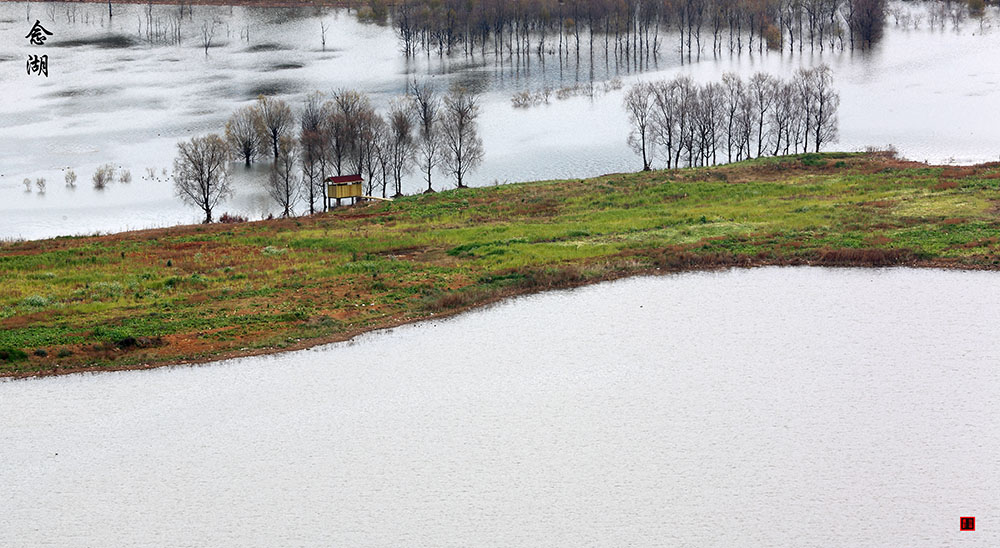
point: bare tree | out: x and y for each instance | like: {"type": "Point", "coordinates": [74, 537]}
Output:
{"type": "Point", "coordinates": [313, 137]}
{"type": "Point", "coordinates": [783, 117]}
{"type": "Point", "coordinates": [687, 97]}
{"type": "Point", "coordinates": [709, 120]}
{"type": "Point", "coordinates": [273, 120]}
{"type": "Point", "coordinates": [639, 103]}
{"type": "Point", "coordinates": [734, 92]}
{"type": "Point", "coordinates": [383, 156]}
{"type": "Point", "coordinates": [826, 100]}
{"type": "Point", "coordinates": [401, 143]}
{"type": "Point", "coordinates": [376, 154]}
{"type": "Point", "coordinates": [282, 185]}
{"type": "Point", "coordinates": [665, 118]}
{"type": "Point", "coordinates": [207, 34]}
{"type": "Point", "coordinates": [426, 105]}
{"type": "Point", "coordinates": [762, 89]}
{"type": "Point", "coordinates": [463, 148]}
{"type": "Point", "coordinates": [806, 99]}
{"type": "Point", "coordinates": [746, 121]}
{"type": "Point", "coordinates": [692, 120]}
{"type": "Point", "coordinates": [200, 174]}
{"type": "Point", "coordinates": [369, 127]}
{"type": "Point", "coordinates": [343, 116]}
{"type": "Point", "coordinates": [242, 135]}
{"type": "Point", "coordinates": [866, 20]}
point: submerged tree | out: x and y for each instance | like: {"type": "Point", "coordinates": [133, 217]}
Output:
{"type": "Point", "coordinates": [273, 120]}
{"type": "Point", "coordinates": [242, 135]}
{"type": "Point", "coordinates": [866, 20]}
{"type": "Point", "coordinates": [201, 176]}
{"type": "Point", "coordinates": [103, 176]}
{"type": "Point", "coordinates": [207, 34]}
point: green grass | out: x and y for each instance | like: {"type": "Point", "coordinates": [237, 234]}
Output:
{"type": "Point", "coordinates": [199, 292]}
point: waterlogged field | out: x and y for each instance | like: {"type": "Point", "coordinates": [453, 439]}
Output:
{"type": "Point", "coordinates": [201, 292]}
{"type": "Point", "coordinates": [115, 96]}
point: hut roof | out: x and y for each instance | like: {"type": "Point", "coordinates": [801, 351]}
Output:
{"type": "Point", "coordinates": [344, 179]}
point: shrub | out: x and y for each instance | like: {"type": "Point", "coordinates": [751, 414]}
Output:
{"type": "Point", "coordinates": [865, 257]}
{"type": "Point", "coordinates": [40, 183]}
{"type": "Point", "coordinates": [36, 301]}
{"type": "Point", "coordinates": [553, 277]}
{"type": "Point", "coordinates": [813, 160]}
{"type": "Point", "coordinates": [453, 300]}
{"type": "Point", "coordinates": [106, 290]}
{"type": "Point", "coordinates": [271, 250]}
{"type": "Point", "coordinates": [103, 176]}
{"type": "Point", "coordinates": [126, 176]}
{"type": "Point", "coordinates": [129, 342]}
{"type": "Point", "coordinates": [65, 353]}
{"type": "Point", "coordinates": [887, 152]}
{"type": "Point", "coordinates": [27, 184]}
{"type": "Point", "coordinates": [12, 355]}
{"type": "Point", "coordinates": [70, 178]}
{"type": "Point", "coordinates": [41, 352]}
{"type": "Point", "coordinates": [228, 218]}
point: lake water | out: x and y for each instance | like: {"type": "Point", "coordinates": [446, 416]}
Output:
{"type": "Point", "coordinates": [771, 407]}
{"type": "Point", "coordinates": [931, 93]}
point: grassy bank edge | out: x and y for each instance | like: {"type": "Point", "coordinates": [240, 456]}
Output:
{"type": "Point", "coordinates": [700, 256]}
{"type": "Point", "coordinates": [491, 300]}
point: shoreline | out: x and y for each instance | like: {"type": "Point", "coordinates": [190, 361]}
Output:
{"type": "Point", "coordinates": [205, 293]}
{"type": "Point", "coordinates": [341, 338]}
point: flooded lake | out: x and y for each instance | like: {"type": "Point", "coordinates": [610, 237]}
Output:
{"type": "Point", "coordinates": [768, 407]}
{"type": "Point", "coordinates": [112, 97]}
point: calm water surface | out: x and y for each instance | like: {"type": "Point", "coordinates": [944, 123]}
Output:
{"type": "Point", "coordinates": [931, 93]}
{"type": "Point", "coordinates": [771, 407]}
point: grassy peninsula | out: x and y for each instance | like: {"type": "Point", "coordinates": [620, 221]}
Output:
{"type": "Point", "coordinates": [195, 293]}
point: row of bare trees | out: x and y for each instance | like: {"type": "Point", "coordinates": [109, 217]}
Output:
{"type": "Point", "coordinates": [335, 135]}
{"type": "Point", "coordinates": [632, 28]}
{"type": "Point", "coordinates": [687, 124]}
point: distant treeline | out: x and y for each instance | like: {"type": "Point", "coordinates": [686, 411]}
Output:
{"type": "Point", "coordinates": [634, 28]}
{"type": "Point", "coordinates": [698, 125]}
